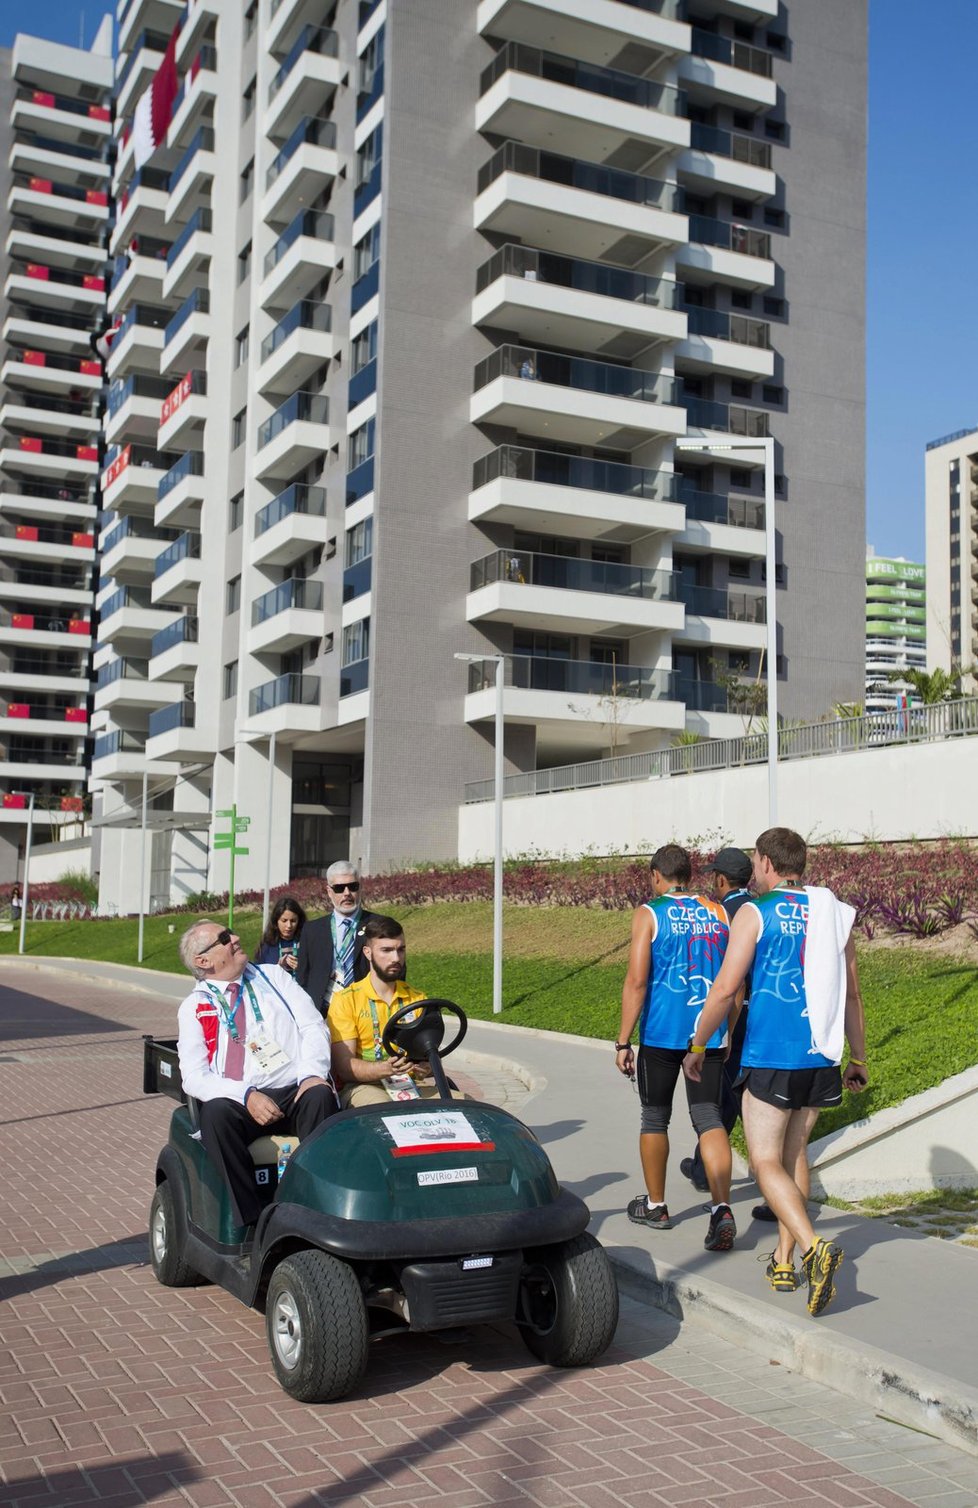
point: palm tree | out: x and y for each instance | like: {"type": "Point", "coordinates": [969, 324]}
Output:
{"type": "Point", "coordinates": [932, 686]}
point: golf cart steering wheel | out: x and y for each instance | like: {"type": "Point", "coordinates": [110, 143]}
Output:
{"type": "Point", "coordinates": [418, 1039]}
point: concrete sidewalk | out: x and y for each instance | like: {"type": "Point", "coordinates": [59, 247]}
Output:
{"type": "Point", "coordinates": [903, 1334]}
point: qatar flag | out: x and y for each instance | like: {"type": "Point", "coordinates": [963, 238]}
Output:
{"type": "Point", "coordinates": [155, 108]}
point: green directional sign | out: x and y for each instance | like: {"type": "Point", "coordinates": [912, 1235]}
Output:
{"type": "Point", "coordinates": [227, 841]}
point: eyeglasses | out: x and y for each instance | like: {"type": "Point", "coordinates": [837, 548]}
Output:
{"type": "Point", "coordinates": [352, 885]}
{"type": "Point", "coordinates": [223, 938]}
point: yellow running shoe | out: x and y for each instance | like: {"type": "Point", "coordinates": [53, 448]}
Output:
{"type": "Point", "coordinates": [819, 1266]}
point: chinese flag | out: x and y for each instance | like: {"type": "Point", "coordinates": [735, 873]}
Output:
{"type": "Point", "coordinates": [15, 803]}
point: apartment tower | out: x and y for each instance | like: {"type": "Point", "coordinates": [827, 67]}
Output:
{"type": "Point", "coordinates": [896, 630]}
{"type": "Point", "coordinates": [55, 134]}
{"type": "Point", "coordinates": [419, 298]}
{"type": "Point", "coordinates": [951, 506]}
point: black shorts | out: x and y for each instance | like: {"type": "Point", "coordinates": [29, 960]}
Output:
{"type": "Point", "coordinates": [794, 1088]}
{"type": "Point", "coordinates": [659, 1068]}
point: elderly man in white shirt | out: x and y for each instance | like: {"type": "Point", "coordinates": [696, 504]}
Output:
{"type": "Point", "coordinates": [254, 1052]}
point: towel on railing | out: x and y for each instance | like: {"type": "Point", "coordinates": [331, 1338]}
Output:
{"type": "Point", "coordinates": [829, 925]}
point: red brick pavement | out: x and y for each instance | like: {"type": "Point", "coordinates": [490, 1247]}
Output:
{"type": "Point", "coordinates": [118, 1392]}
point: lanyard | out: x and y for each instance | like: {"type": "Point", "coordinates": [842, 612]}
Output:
{"type": "Point", "coordinates": [379, 1053]}
{"type": "Point", "coordinates": [228, 1016]}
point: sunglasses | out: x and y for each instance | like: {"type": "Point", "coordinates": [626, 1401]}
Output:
{"type": "Point", "coordinates": [222, 937]}
{"type": "Point", "coordinates": [352, 885]}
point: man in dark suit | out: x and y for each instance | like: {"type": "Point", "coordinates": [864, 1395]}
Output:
{"type": "Point", "coordinates": [331, 948]}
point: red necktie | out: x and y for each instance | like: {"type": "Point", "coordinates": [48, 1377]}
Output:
{"type": "Point", "coordinates": [235, 1056]}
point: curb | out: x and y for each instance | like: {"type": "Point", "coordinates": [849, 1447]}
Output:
{"type": "Point", "coordinates": [895, 1388]}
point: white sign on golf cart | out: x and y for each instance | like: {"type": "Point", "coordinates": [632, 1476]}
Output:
{"type": "Point", "coordinates": [448, 1129]}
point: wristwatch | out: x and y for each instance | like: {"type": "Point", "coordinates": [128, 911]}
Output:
{"type": "Point", "coordinates": [622, 1046]}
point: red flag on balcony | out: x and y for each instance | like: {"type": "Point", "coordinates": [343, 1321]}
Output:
{"type": "Point", "coordinates": [93, 282]}
{"type": "Point", "coordinates": [26, 531]}
{"type": "Point", "coordinates": [154, 111]}
{"type": "Point", "coordinates": [99, 112]}
{"type": "Point", "coordinates": [80, 626]}
{"type": "Point", "coordinates": [30, 442]}
{"type": "Point", "coordinates": [41, 97]}
{"type": "Point", "coordinates": [83, 541]}
{"type": "Point", "coordinates": [41, 186]}
{"type": "Point", "coordinates": [35, 270]}
{"type": "Point", "coordinates": [35, 359]}
{"type": "Point", "coordinates": [21, 620]}
{"type": "Point", "coordinates": [90, 368]}
{"type": "Point", "coordinates": [14, 803]}
{"type": "Point", "coordinates": [18, 709]}
{"type": "Point", "coordinates": [76, 715]}
{"type": "Point", "coordinates": [86, 452]}
{"type": "Point", "coordinates": [96, 196]}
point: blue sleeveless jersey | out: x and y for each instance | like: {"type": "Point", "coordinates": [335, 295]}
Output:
{"type": "Point", "coordinates": [778, 1034]}
{"type": "Point", "coordinates": [690, 940]}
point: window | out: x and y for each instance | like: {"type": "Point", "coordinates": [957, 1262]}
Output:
{"type": "Point", "coordinates": [248, 100]}
{"type": "Point", "coordinates": [776, 41]}
{"type": "Point", "coordinates": [364, 348]}
{"type": "Point", "coordinates": [235, 512]}
{"type": "Point", "coordinates": [742, 209]}
{"type": "Point", "coordinates": [232, 599]}
{"type": "Point", "coordinates": [773, 305]}
{"type": "Point", "coordinates": [238, 428]}
{"type": "Point", "coordinates": [775, 217]}
{"type": "Point", "coordinates": [741, 299]}
{"type": "Point", "coordinates": [738, 570]}
{"type": "Point", "coordinates": [740, 478]}
{"type": "Point", "coordinates": [356, 641]}
{"type": "Point", "coordinates": [743, 31]}
{"type": "Point", "coordinates": [366, 252]}
{"type": "Point", "coordinates": [368, 156]}
{"type": "Point", "coordinates": [244, 264]}
{"type": "Point", "coordinates": [772, 394]}
{"type": "Point", "coordinates": [247, 182]}
{"type": "Point", "coordinates": [230, 680]}
{"type": "Point", "coordinates": [775, 130]}
{"type": "Point", "coordinates": [742, 121]}
{"type": "Point", "coordinates": [241, 344]}
{"type": "Point", "coordinates": [360, 446]}
{"type": "Point", "coordinates": [359, 542]}
{"type": "Point", "coordinates": [741, 388]}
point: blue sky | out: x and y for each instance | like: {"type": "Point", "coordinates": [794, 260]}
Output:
{"type": "Point", "coordinates": [922, 307]}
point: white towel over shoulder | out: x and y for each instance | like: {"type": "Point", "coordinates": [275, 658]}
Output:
{"type": "Point", "coordinates": [829, 924]}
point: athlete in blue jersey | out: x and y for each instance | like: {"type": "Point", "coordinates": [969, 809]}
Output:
{"type": "Point", "coordinates": [678, 944]}
{"type": "Point", "coordinates": [797, 943]}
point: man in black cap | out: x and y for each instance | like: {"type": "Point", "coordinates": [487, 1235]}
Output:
{"type": "Point", "coordinates": [731, 870]}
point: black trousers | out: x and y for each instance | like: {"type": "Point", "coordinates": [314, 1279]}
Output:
{"type": "Point", "coordinates": [731, 1096]}
{"type": "Point", "coordinates": [227, 1131]}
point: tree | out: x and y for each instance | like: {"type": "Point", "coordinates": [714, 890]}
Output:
{"type": "Point", "coordinates": [933, 686]}
{"type": "Point", "coordinates": [749, 698]}
{"type": "Point", "coordinates": [612, 708]}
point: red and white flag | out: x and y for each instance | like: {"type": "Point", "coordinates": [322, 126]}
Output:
{"type": "Point", "coordinates": [155, 108]}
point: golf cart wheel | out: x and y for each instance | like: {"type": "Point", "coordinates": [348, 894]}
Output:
{"type": "Point", "coordinates": [316, 1323]}
{"type": "Point", "coordinates": [164, 1251]}
{"type": "Point", "coordinates": [568, 1302]}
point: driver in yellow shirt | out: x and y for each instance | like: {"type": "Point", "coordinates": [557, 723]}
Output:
{"type": "Point", "coordinates": [358, 1014]}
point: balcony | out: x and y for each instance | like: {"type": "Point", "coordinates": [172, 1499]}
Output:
{"type": "Point", "coordinates": [534, 96]}
{"type": "Point", "coordinates": [200, 21]}
{"type": "Point", "coordinates": [732, 618]}
{"type": "Point", "coordinates": [569, 302]}
{"type": "Point", "coordinates": [57, 290]}
{"type": "Point", "coordinates": [552, 593]}
{"type": "Point", "coordinates": [730, 419]}
{"type": "Point", "coordinates": [124, 685]}
{"type": "Point", "coordinates": [305, 83]}
{"type": "Point", "coordinates": [574, 400]}
{"type": "Point", "coordinates": [38, 456]}
{"type": "Point", "coordinates": [129, 551]}
{"type": "Point", "coordinates": [188, 259]}
{"type": "Point", "coordinates": [37, 543]}
{"type": "Point", "coordinates": [140, 206]}
{"type": "Point", "coordinates": [173, 734]}
{"type": "Point", "coordinates": [127, 616]}
{"type": "Point", "coordinates": [44, 718]}
{"type": "Point", "coordinates": [194, 103]}
{"type": "Point", "coordinates": [295, 434]}
{"type": "Point", "coordinates": [721, 251]}
{"type": "Point", "coordinates": [178, 572]}
{"type": "Point", "coordinates": [118, 754]}
{"type": "Point", "coordinates": [183, 413]}
{"type": "Point", "coordinates": [30, 759]}
{"type": "Point", "coordinates": [727, 162]}
{"type": "Point", "coordinates": [290, 526]}
{"type": "Point", "coordinates": [133, 407]}
{"type": "Point", "coordinates": [143, 61]}
{"type": "Point", "coordinates": [288, 704]}
{"type": "Point", "coordinates": [137, 273]}
{"type": "Point", "coordinates": [187, 333]}
{"type": "Point", "coordinates": [722, 525]}
{"type": "Point", "coordinates": [544, 198]}
{"type": "Point", "coordinates": [26, 325]}
{"type": "Point", "coordinates": [74, 251]}
{"type": "Point", "coordinates": [598, 31]}
{"type": "Point", "coordinates": [181, 491]}
{"type": "Point", "coordinates": [138, 341]}
{"type": "Point", "coordinates": [36, 416]}
{"type": "Point", "coordinates": [548, 492]}
{"type": "Point", "coordinates": [134, 16]}
{"type": "Point", "coordinates": [41, 372]}
{"type": "Point", "coordinates": [302, 256]}
{"type": "Point", "coordinates": [720, 342]}
{"type": "Point", "coordinates": [44, 628]}
{"type": "Point", "coordinates": [306, 165]}
{"type": "Point", "coordinates": [50, 203]}
{"type": "Point", "coordinates": [174, 652]}
{"type": "Point", "coordinates": [71, 163]}
{"type": "Point", "coordinates": [289, 615]}
{"type": "Point", "coordinates": [59, 117]}
{"type": "Point", "coordinates": [725, 72]}
{"type": "Point", "coordinates": [572, 703]}
{"type": "Point", "coordinates": [191, 179]}
{"type": "Point", "coordinates": [296, 348]}
{"type": "Point", "coordinates": [130, 479]}
{"type": "Point", "coordinates": [67, 505]}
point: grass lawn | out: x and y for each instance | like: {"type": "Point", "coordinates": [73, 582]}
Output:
{"type": "Point", "coordinates": [563, 972]}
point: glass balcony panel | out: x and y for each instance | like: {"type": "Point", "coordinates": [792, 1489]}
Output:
{"type": "Point", "coordinates": [718, 508]}
{"type": "Point", "coordinates": [310, 39]}
{"type": "Point", "coordinates": [295, 499]}
{"type": "Point", "coordinates": [311, 407]}
{"type": "Point", "coordinates": [716, 602]}
{"type": "Point", "coordinates": [307, 314]}
{"type": "Point", "coordinates": [554, 469]}
{"type": "Point", "coordinates": [177, 715]}
{"type": "Point", "coordinates": [197, 303]}
{"type": "Point", "coordinates": [706, 44]}
{"type": "Point", "coordinates": [577, 372]}
{"type": "Point", "coordinates": [736, 327]}
{"type": "Point", "coordinates": [185, 547]}
{"type": "Point", "coordinates": [316, 224]}
{"type": "Point", "coordinates": [579, 677]}
{"type": "Point", "coordinates": [181, 631]}
{"type": "Point", "coordinates": [202, 141]}
{"type": "Point", "coordinates": [739, 148]}
{"type": "Point", "coordinates": [286, 690]}
{"type": "Point", "coordinates": [299, 594]}
{"type": "Point", "coordinates": [191, 464]}
{"type": "Point", "coordinates": [354, 677]}
{"type": "Point", "coordinates": [558, 69]}
{"type": "Point", "coordinates": [118, 742]}
{"type": "Point", "coordinates": [514, 157]}
{"type": "Point", "coordinates": [572, 272]}
{"type": "Point", "coordinates": [571, 574]}
{"type": "Point", "coordinates": [707, 231]}
{"type": "Point", "coordinates": [314, 131]}
{"type": "Point", "coordinates": [200, 220]}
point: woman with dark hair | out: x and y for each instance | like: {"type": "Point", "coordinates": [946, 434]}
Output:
{"type": "Point", "coordinates": [280, 940]}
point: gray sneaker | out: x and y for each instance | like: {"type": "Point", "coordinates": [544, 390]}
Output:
{"type": "Point", "coordinates": [640, 1214]}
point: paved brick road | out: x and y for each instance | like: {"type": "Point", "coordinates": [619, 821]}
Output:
{"type": "Point", "coordinates": [118, 1392]}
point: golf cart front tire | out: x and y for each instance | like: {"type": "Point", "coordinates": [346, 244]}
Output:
{"type": "Point", "coordinates": [568, 1302]}
{"type": "Point", "coordinates": [316, 1324]}
{"type": "Point", "coordinates": [164, 1248]}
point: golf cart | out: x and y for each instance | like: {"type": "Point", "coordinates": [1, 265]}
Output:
{"type": "Point", "coordinates": [423, 1215]}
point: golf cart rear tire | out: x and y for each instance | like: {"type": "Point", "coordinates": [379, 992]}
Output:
{"type": "Point", "coordinates": [568, 1304]}
{"type": "Point", "coordinates": [316, 1324]}
{"type": "Point", "coordinates": [164, 1252]}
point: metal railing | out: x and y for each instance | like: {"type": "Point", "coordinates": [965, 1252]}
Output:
{"type": "Point", "coordinates": [313, 408]}
{"type": "Point", "coordinates": [553, 469]}
{"type": "Point", "coordinates": [573, 272]}
{"type": "Point", "coordinates": [286, 690]}
{"type": "Point", "coordinates": [201, 141]}
{"type": "Point", "coordinates": [198, 302]}
{"type": "Point", "coordinates": [190, 464]}
{"type": "Point", "coordinates": [576, 372]}
{"type": "Point", "coordinates": [314, 131]}
{"type": "Point", "coordinates": [319, 225]}
{"type": "Point", "coordinates": [184, 547]}
{"type": "Point", "coordinates": [307, 314]}
{"type": "Point", "coordinates": [182, 631]}
{"type": "Point", "coordinates": [571, 574]}
{"type": "Point", "coordinates": [730, 144]}
{"type": "Point", "coordinates": [716, 602]}
{"type": "Point", "coordinates": [848, 735]}
{"type": "Point", "coordinates": [578, 677]}
{"type": "Point", "coordinates": [118, 742]}
{"type": "Point", "coordinates": [706, 44]}
{"type": "Point", "coordinates": [299, 498]}
{"type": "Point", "coordinates": [736, 327]}
{"type": "Point", "coordinates": [177, 715]}
{"type": "Point", "coordinates": [553, 167]}
{"type": "Point", "coordinates": [590, 77]}
{"type": "Point", "coordinates": [292, 593]}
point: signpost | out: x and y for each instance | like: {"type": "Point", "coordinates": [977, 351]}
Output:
{"type": "Point", "coordinates": [228, 840]}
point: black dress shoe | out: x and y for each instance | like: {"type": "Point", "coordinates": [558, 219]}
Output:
{"type": "Point", "coordinates": [688, 1169]}
{"type": "Point", "coordinates": [764, 1212]}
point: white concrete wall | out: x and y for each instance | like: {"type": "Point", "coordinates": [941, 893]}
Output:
{"type": "Point", "coordinates": [48, 863]}
{"type": "Point", "coordinates": [919, 791]}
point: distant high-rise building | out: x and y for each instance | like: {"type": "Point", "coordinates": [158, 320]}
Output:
{"type": "Point", "coordinates": [951, 500]}
{"type": "Point", "coordinates": [416, 300]}
{"type": "Point", "coordinates": [896, 635]}
{"type": "Point", "coordinates": [55, 134]}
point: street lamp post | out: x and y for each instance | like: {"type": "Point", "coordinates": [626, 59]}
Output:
{"type": "Point", "coordinates": [27, 861]}
{"type": "Point", "coordinates": [765, 448]}
{"type": "Point", "coordinates": [497, 872]}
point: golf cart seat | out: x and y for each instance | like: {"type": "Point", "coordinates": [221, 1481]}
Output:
{"type": "Point", "coordinates": [265, 1149]}
{"type": "Point", "coordinates": [161, 1075]}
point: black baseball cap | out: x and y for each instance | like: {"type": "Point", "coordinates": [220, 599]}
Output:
{"type": "Point", "coordinates": [733, 864]}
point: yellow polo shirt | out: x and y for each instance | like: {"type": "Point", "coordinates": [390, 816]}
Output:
{"type": "Point", "coordinates": [351, 1019]}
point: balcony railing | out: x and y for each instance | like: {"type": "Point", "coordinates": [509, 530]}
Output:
{"type": "Point", "coordinates": [317, 224]}
{"type": "Point", "coordinates": [706, 44]}
{"type": "Point", "coordinates": [746, 149]}
{"type": "Point", "coordinates": [184, 547]}
{"type": "Point", "coordinates": [177, 715]}
{"type": "Point", "coordinates": [129, 528]}
{"type": "Point", "coordinates": [551, 167]}
{"type": "Point", "coordinates": [39, 534]}
{"type": "Point", "coordinates": [300, 594]}
{"type": "Point", "coordinates": [180, 631]}
{"type": "Point", "coordinates": [716, 324]}
{"type": "Point", "coordinates": [553, 469]}
{"type": "Point", "coordinates": [570, 574]}
{"type": "Point", "coordinates": [703, 413]}
{"type": "Point", "coordinates": [319, 39]}
{"type": "Point", "coordinates": [198, 302]}
{"type": "Point", "coordinates": [154, 41]}
{"type": "Point", "coordinates": [50, 101]}
{"type": "Point", "coordinates": [579, 677]}
{"type": "Point", "coordinates": [146, 315]}
{"type": "Point", "coordinates": [611, 82]}
{"type": "Point", "coordinates": [577, 372]}
{"type": "Point", "coordinates": [285, 691]}
{"type": "Point", "coordinates": [200, 220]}
{"type": "Point", "coordinates": [89, 282]}
{"type": "Point", "coordinates": [43, 620]}
{"type": "Point", "coordinates": [38, 185]}
{"type": "Point", "coordinates": [126, 596]}
{"type": "Point", "coordinates": [202, 141]}
{"type": "Point", "coordinates": [572, 272]}
{"type": "Point", "coordinates": [729, 236]}
{"type": "Point", "coordinates": [299, 498]}
{"type": "Point", "coordinates": [715, 602]}
{"type": "Point", "coordinates": [121, 670]}
{"type": "Point", "coordinates": [145, 177]}
{"type": "Point", "coordinates": [310, 407]}
{"type": "Point", "coordinates": [206, 59]}
{"type": "Point", "coordinates": [118, 742]}
{"type": "Point", "coordinates": [717, 508]}
{"type": "Point", "coordinates": [136, 386]}
{"type": "Point", "coordinates": [307, 314]}
{"type": "Point", "coordinates": [313, 131]}
{"type": "Point", "coordinates": [191, 464]}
